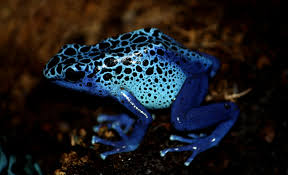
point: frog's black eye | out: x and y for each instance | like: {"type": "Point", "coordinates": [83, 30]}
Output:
{"type": "Point", "coordinates": [74, 76]}
{"type": "Point", "coordinates": [227, 106]}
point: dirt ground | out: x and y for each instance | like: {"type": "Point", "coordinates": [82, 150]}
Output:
{"type": "Point", "coordinates": [54, 125]}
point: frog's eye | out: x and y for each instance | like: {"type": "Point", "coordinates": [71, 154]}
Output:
{"type": "Point", "coordinates": [227, 106]}
{"type": "Point", "coordinates": [74, 76]}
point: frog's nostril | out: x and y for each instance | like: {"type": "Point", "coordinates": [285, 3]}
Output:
{"type": "Point", "coordinates": [73, 76]}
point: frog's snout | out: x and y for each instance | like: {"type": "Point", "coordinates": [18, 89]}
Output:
{"type": "Point", "coordinates": [52, 70]}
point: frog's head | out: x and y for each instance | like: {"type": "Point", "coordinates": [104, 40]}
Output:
{"type": "Point", "coordinates": [69, 68]}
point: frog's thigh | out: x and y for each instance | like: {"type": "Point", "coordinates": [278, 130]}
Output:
{"type": "Point", "coordinates": [191, 95]}
{"type": "Point", "coordinates": [186, 112]}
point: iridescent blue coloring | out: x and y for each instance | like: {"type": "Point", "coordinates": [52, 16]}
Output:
{"type": "Point", "coordinates": [146, 69]}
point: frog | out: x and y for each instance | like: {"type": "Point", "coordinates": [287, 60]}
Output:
{"type": "Point", "coordinates": [146, 70]}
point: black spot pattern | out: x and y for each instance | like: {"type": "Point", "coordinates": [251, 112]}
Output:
{"type": "Point", "coordinates": [137, 59]}
{"type": "Point", "coordinates": [110, 62]}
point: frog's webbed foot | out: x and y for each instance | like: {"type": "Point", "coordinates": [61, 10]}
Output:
{"type": "Point", "coordinates": [125, 145]}
{"type": "Point", "coordinates": [121, 124]}
{"type": "Point", "coordinates": [196, 143]}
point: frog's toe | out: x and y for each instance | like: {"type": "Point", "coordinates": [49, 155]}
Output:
{"type": "Point", "coordinates": [96, 139]}
{"type": "Point", "coordinates": [193, 138]}
{"type": "Point", "coordinates": [122, 121]}
{"type": "Point", "coordinates": [119, 149]}
{"type": "Point", "coordinates": [180, 139]}
{"type": "Point", "coordinates": [193, 148]}
{"type": "Point", "coordinates": [196, 136]}
{"type": "Point", "coordinates": [195, 145]}
{"type": "Point", "coordinates": [119, 146]}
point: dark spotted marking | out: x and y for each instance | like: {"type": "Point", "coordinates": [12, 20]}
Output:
{"type": "Point", "coordinates": [156, 33]}
{"type": "Point", "coordinates": [73, 76]}
{"type": "Point", "coordinates": [78, 66]}
{"type": "Point", "coordinates": [127, 50]}
{"type": "Point", "coordinates": [63, 57]}
{"type": "Point", "coordinates": [69, 61]}
{"type": "Point", "coordinates": [150, 71]}
{"type": "Point", "coordinates": [107, 76]}
{"type": "Point", "coordinates": [145, 63]}
{"type": "Point", "coordinates": [152, 52]}
{"type": "Point", "coordinates": [165, 38]}
{"type": "Point", "coordinates": [86, 61]}
{"type": "Point", "coordinates": [155, 60]}
{"type": "Point", "coordinates": [76, 46]}
{"type": "Point", "coordinates": [120, 76]}
{"type": "Point", "coordinates": [103, 45]}
{"type": "Point", "coordinates": [59, 68]}
{"type": "Point", "coordinates": [138, 68]}
{"type": "Point", "coordinates": [70, 51]}
{"type": "Point", "coordinates": [85, 49]}
{"type": "Point", "coordinates": [110, 62]}
{"type": "Point", "coordinates": [147, 30]}
{"type": "Point", "coordinates": [159, 70]}
{"type": "Point", "coordinates": [124, 43]}
{"type": "Point", "coordinates": [55, 60]}
{"type": "Point", "coordinates": [114, 43]}
{"type": "Point", "coordinates": [134, 36]}
{"type": "Point", "coordinates": [127, 71]}
{"type": "Point", "coordinates": [125, 36]}
{"type": "Point", "coordinates": [174, 48]}
{"type": "Point", "coordinates": [118, 50]}
{"type": "Point", "coordinates": [127, 61]}
{"type": "Point", "coordinates": [140, 39]}
{"type": "Point", "coordinates": [118, 69]}
{"type": "Point", "coordinates": [93, 54]}
{"type": "Point", "coordinates": [101, 56]}
{"type": "Point", "coordinates": [141, 45]}
{"type": "Point", "coordinates": [52, 71]}
{"type": "Point", "coordinates": [133, 46]}
{"type": "Point", "coordinates": [160, 52]}
{"type": "Point", "coordinates": [97, 63]}
{"type": "Point", "coordinates": [89, 84]}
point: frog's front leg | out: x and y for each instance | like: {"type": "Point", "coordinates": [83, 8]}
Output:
{"type": "Point", "coordinates": [197, 117]}
{"type": "Point", "coordinates": [130, 142]}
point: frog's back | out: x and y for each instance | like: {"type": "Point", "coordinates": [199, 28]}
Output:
{"type": "Point", "coordinates": [147, 63]}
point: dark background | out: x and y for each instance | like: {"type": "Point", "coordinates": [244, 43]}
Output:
{"type": "Point", "coordinates": [54, 125]}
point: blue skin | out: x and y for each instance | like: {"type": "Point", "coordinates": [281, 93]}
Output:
{"type": "Point", "coordinates": [146, 69]}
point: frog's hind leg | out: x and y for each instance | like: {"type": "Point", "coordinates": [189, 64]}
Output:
{"type": "Point", "coordinates": [185, 118]}
{"type": "Point", "coordinates": [128, 142]}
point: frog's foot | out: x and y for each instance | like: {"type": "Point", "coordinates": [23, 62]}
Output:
{"type": "Point", "coordinates": [200, 144]}
{"type": "Point", "coordinates": [120, 123]}
{"type": "Point", "coordinates": [125, 145]}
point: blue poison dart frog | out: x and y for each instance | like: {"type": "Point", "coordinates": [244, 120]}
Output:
{"type": "Point", "coordinates": [146, 69]}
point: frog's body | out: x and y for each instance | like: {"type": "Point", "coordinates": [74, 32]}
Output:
{"type": "Point", "coordinates": [146, 69]}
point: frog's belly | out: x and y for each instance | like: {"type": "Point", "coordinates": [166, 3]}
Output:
{"type": "Point", "coordinates": [157, 91]}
